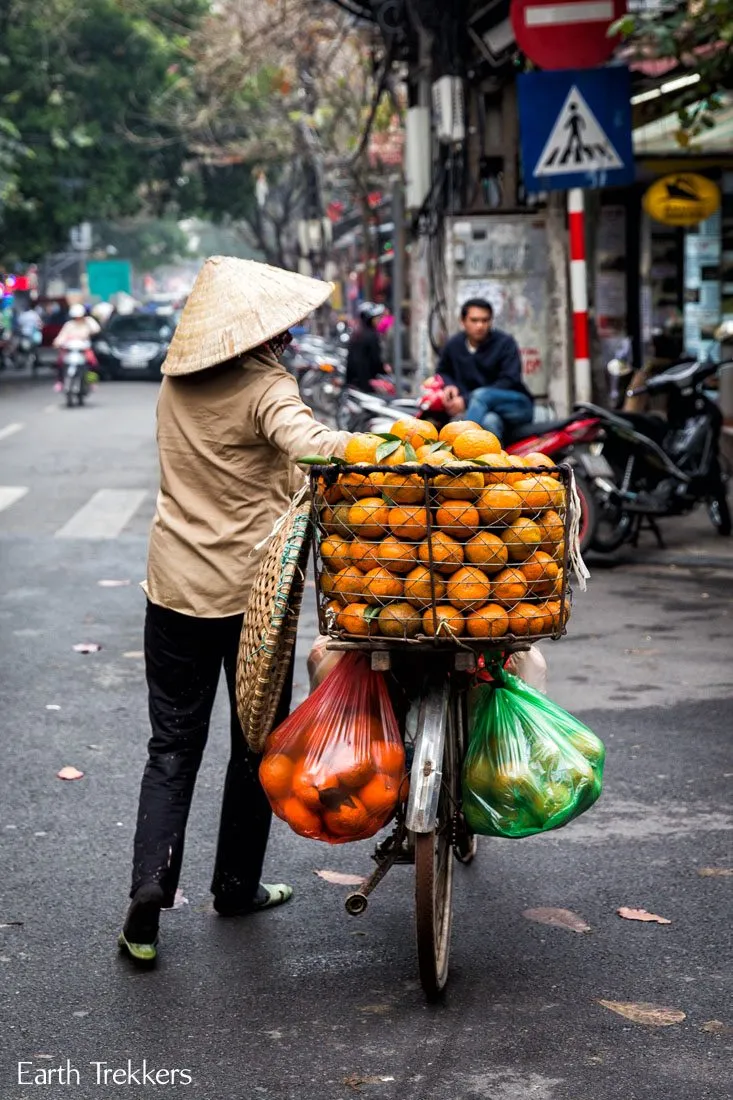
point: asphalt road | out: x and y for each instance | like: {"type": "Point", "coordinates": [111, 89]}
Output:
{"type": "Point", "coordinates": [306, 1002]}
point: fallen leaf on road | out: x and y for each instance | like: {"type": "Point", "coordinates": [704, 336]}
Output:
{"type": "Point", "coordinates": [69, 773]}
{"type": "Point", "coordinates": [340, 878]}
{"type": "Point", "coordinates": [644, 1013]}
{"type": "Point", "coordinates": [87, 647]}
{"type": "Point", "coordinates": [641, 914]}
{"type": "Point", "coordinates": [717, 1027]}
{"type": "Point", "coordinates": [715, 872]}
{"type": "Point", "coordinates": [355, 1081]}
{"type": "Point", "coordinates": [81, 1013]}
{"type": "Point", "coordinates": [134, 654]}
{"type": "Point", "coordinates": [113, 584]}
{"type": "Point", "coordinates": [12, 924]}
{"type": "Point", "coordinates": [558, 918]}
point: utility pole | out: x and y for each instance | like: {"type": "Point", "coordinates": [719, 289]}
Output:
{"type": "Point", "coordinates": [398, 278]}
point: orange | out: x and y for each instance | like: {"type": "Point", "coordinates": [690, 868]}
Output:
{"type": "Point", "coordinates": [522, 538]}
{"type": "Point", "coordinates": [388, 757]}
{"type": "Point", "coordinates": [537, 458]}
{"type": "Point", "coordinates": [494, 462]}
{"type": "Point", "coordinates": [326, 583]}
{"type": "Point", "coordinates": [333, 609]}
{"type": "Point", "coordinates": [350, 819]}
{"type": "Point", "coordinates": [449, 621]}
{"type": "Point", "coordinates": [330, 494]}
{"type": "Point", "coordinates": [300, 818]}
{"type": "Point", "coordinates": [459, 483]}
{"type": "Point", "coordinates": [397, 458]}
{"type": "Point", "coordinates": [487, 551]}
{"type": "Point", "coordinates": [509, 586]}
{"type": "Point", "coordinates": [499, 504]}
{"type": "Point", "coordinates": [490, 621]}
{"type": "Point", "coordinates": [518, 463]}
{"type": "Point", "coordinates": [555, 611]}
{"type": "Point", "coordinates": [409, 522]}
{"type": "Point", "coordinates": [335, 519]}
{"type": "Point", "coordinates": [535, 496]}
{"type": "Point", "coordinates": [458, 518]}
{"type": "Point", "coordinates": [457, 427]}
{"type": "Point", "coordinates": [473, 444]}
{"type": "Point", "coordinates": [437, 458]}
{"type": "Point", "coordinates": [368, 517]}
{"type": "Point", "coordinates": [348, 584]}
{"type": "Point", "coordinates": [526, 618]}
{"type": "Point", "coordinates": [552, 531]}
{"type": "Point", "coordinates": [402, 488]}
{"type": "Point", "coordinates": [305, 789]}
{"type": "Point", "coordinates": [418, 589]}
{"type": "Point", "coordinates": [355, 485]}
{"type": "Point", "coordinates": [363, 554]}
{"type": "Point", "coordinates": [335, 553]}
{"type": "Point", "coordinates": [362, 448]}
{"type": "Point", "coordinates": [353, 620]}
{"type": "Point", "coordinates": [414, 431]}
{"type": "Point", "coordinates": [379, 796]}
{"type": "Point", "coordinates": [356, 774]}
{"type": "Point", "coordinates": [447, 553]}
{"type": "Point", "coordinates": [399, 620]}
{"type": "Point", "coordinates": [398, 557]}
{"type": "Point", "coordinates": [548, 625]}
{"type": "Point", "coordinates": [541, 572]}
{"type": "Point", "coordinates": [276, 775]}
{"type": "Point", "coordinates": [381, 586]}
{"type": "Point", "coordinates": [468, 588]}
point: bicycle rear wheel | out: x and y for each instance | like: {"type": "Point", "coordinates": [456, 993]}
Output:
{"type": "Point", "coordinates": [434, 867]}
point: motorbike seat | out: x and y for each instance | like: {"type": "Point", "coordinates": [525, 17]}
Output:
{"type": "Point", "coordinates": [519, 432]}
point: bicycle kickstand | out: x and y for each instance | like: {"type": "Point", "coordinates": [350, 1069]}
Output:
{"type": "Point", "coordinates": [356, 903]}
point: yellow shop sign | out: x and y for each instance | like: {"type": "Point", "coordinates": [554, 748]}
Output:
{"type": "Point", "coordinates": [684, 198]}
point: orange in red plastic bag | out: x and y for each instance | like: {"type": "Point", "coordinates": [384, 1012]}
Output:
{"type": "Point", "coordinates": [334, 769]}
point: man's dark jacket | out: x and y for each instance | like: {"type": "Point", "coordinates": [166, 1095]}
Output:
{"type": "Point", "coordinates": [496, 362]}
{"type": "Point", "coordinates": [364, 359]}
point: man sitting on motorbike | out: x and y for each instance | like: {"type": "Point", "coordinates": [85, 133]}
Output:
{"type": "Point", "coordinates": [482, 371]}
{"type": "Point", "coordinates": [364, 357]}
{"type": "Point", "coordinates": [78, 329]}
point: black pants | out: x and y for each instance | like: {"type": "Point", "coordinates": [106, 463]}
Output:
{"type": "Point", "coordinates": [183, 661]}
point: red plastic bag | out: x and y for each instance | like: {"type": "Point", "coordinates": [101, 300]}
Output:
{"type": "Point", "coordinates": [334, 768]}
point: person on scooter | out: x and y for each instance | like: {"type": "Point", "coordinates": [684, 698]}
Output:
{"type": "Point", "coordinates": [364, 357]}
{"type": "Point", "coordinates": [78, 329]}
{"type": "Point", "coordinates": [482, 371]}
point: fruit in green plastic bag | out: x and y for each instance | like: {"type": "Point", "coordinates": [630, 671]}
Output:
{"type": "Point", "coordinates": [531, 766]}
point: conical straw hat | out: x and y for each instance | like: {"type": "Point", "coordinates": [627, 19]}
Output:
{"type": "Point", "coordinates": [236, 305]}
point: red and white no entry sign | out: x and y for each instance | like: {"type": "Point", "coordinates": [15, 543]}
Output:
{"type": "Point", "coordinates": [570, 34]}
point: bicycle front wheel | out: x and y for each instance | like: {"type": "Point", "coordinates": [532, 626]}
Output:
{"type": "Point", "coordinates": [434, 868]}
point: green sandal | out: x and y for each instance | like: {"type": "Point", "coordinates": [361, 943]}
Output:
{"type": "Point", "coordinates": [145, 953]}
{"type": "Point", "coordinates": [139, 937]}
{"type": "Point", "coordinates": [268, 896]}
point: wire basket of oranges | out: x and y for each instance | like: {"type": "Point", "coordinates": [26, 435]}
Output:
{"type": "Point", "coordinates": [440, 539]}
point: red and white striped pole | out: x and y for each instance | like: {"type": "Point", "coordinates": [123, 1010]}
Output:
{"type": "Point", "coordinates": [579, 295]}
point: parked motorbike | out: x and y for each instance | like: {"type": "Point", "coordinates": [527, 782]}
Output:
{"type": "Point", "coordinates": [25, 353]}
{"type": "Point", "coordinates": [376, 412]}
{"type": "Point", "coordinates": [77, 360]}
{"type": "Point", "coordinates": [321, 384]}
{"type": "Point", "coordinates": [661, 465]}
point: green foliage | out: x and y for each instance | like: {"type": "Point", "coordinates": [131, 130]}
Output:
{"type": "Point", "coordinates": [699, 36]}
{"type": "Point", "coordinates": [77, 82]}
{"type": "Point", "coordinates": [146, 242]}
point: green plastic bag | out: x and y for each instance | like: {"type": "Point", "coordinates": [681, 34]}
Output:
{"type": "Point", "coordinates": [530, 766]}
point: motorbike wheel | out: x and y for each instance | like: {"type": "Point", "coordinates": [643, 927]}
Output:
{"type": "Point", "coordinates": [588, 512]}
{"type": "Point", "coordinates": [613, 528]}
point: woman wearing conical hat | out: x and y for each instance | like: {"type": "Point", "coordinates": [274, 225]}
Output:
{"type": "Point", "coordinates": [230, 427]}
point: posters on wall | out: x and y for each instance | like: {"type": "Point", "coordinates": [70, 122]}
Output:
{"type": "Point", "coordinates": [702, 308]}
{"type": "Point", "coordinates": [507, 263]}
{"type": "Point", "coordinates": [609, 282]}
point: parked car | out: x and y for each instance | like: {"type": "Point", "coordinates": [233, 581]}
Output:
{"type": "Point", "coordinates": [133, 344]}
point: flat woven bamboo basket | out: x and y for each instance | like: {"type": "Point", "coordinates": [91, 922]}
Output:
{"type": "Point", "coordinates": [271, 623]}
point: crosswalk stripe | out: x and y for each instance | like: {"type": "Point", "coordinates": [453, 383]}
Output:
{"type": "Point", "coordinates": [10, 493]}
{"type": "Point", "coordinates": [104, 515]}
{"type": "Point", "coordinates": [10, 429]}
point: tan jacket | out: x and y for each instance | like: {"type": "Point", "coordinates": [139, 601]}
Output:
{"type": "Point", "coordinates": [227, 441]}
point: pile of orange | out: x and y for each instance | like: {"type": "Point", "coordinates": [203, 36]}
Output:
{"type": "Point", "coordinates": [335, 796]}
{"type": "Point", "coordinates": [475, 548]}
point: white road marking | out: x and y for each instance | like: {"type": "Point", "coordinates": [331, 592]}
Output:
{"type": "Point", "coordinates": [592, 11]}
{"type": "Point", "coordinates": [10, 429]}
{"type": "Point", "coordinates": [104, 515]}
{"type": "Point", "coordinates": [10, 493]}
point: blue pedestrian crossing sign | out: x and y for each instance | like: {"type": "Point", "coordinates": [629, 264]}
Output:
{"type": "Point", "coordinates": [575, 127]}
